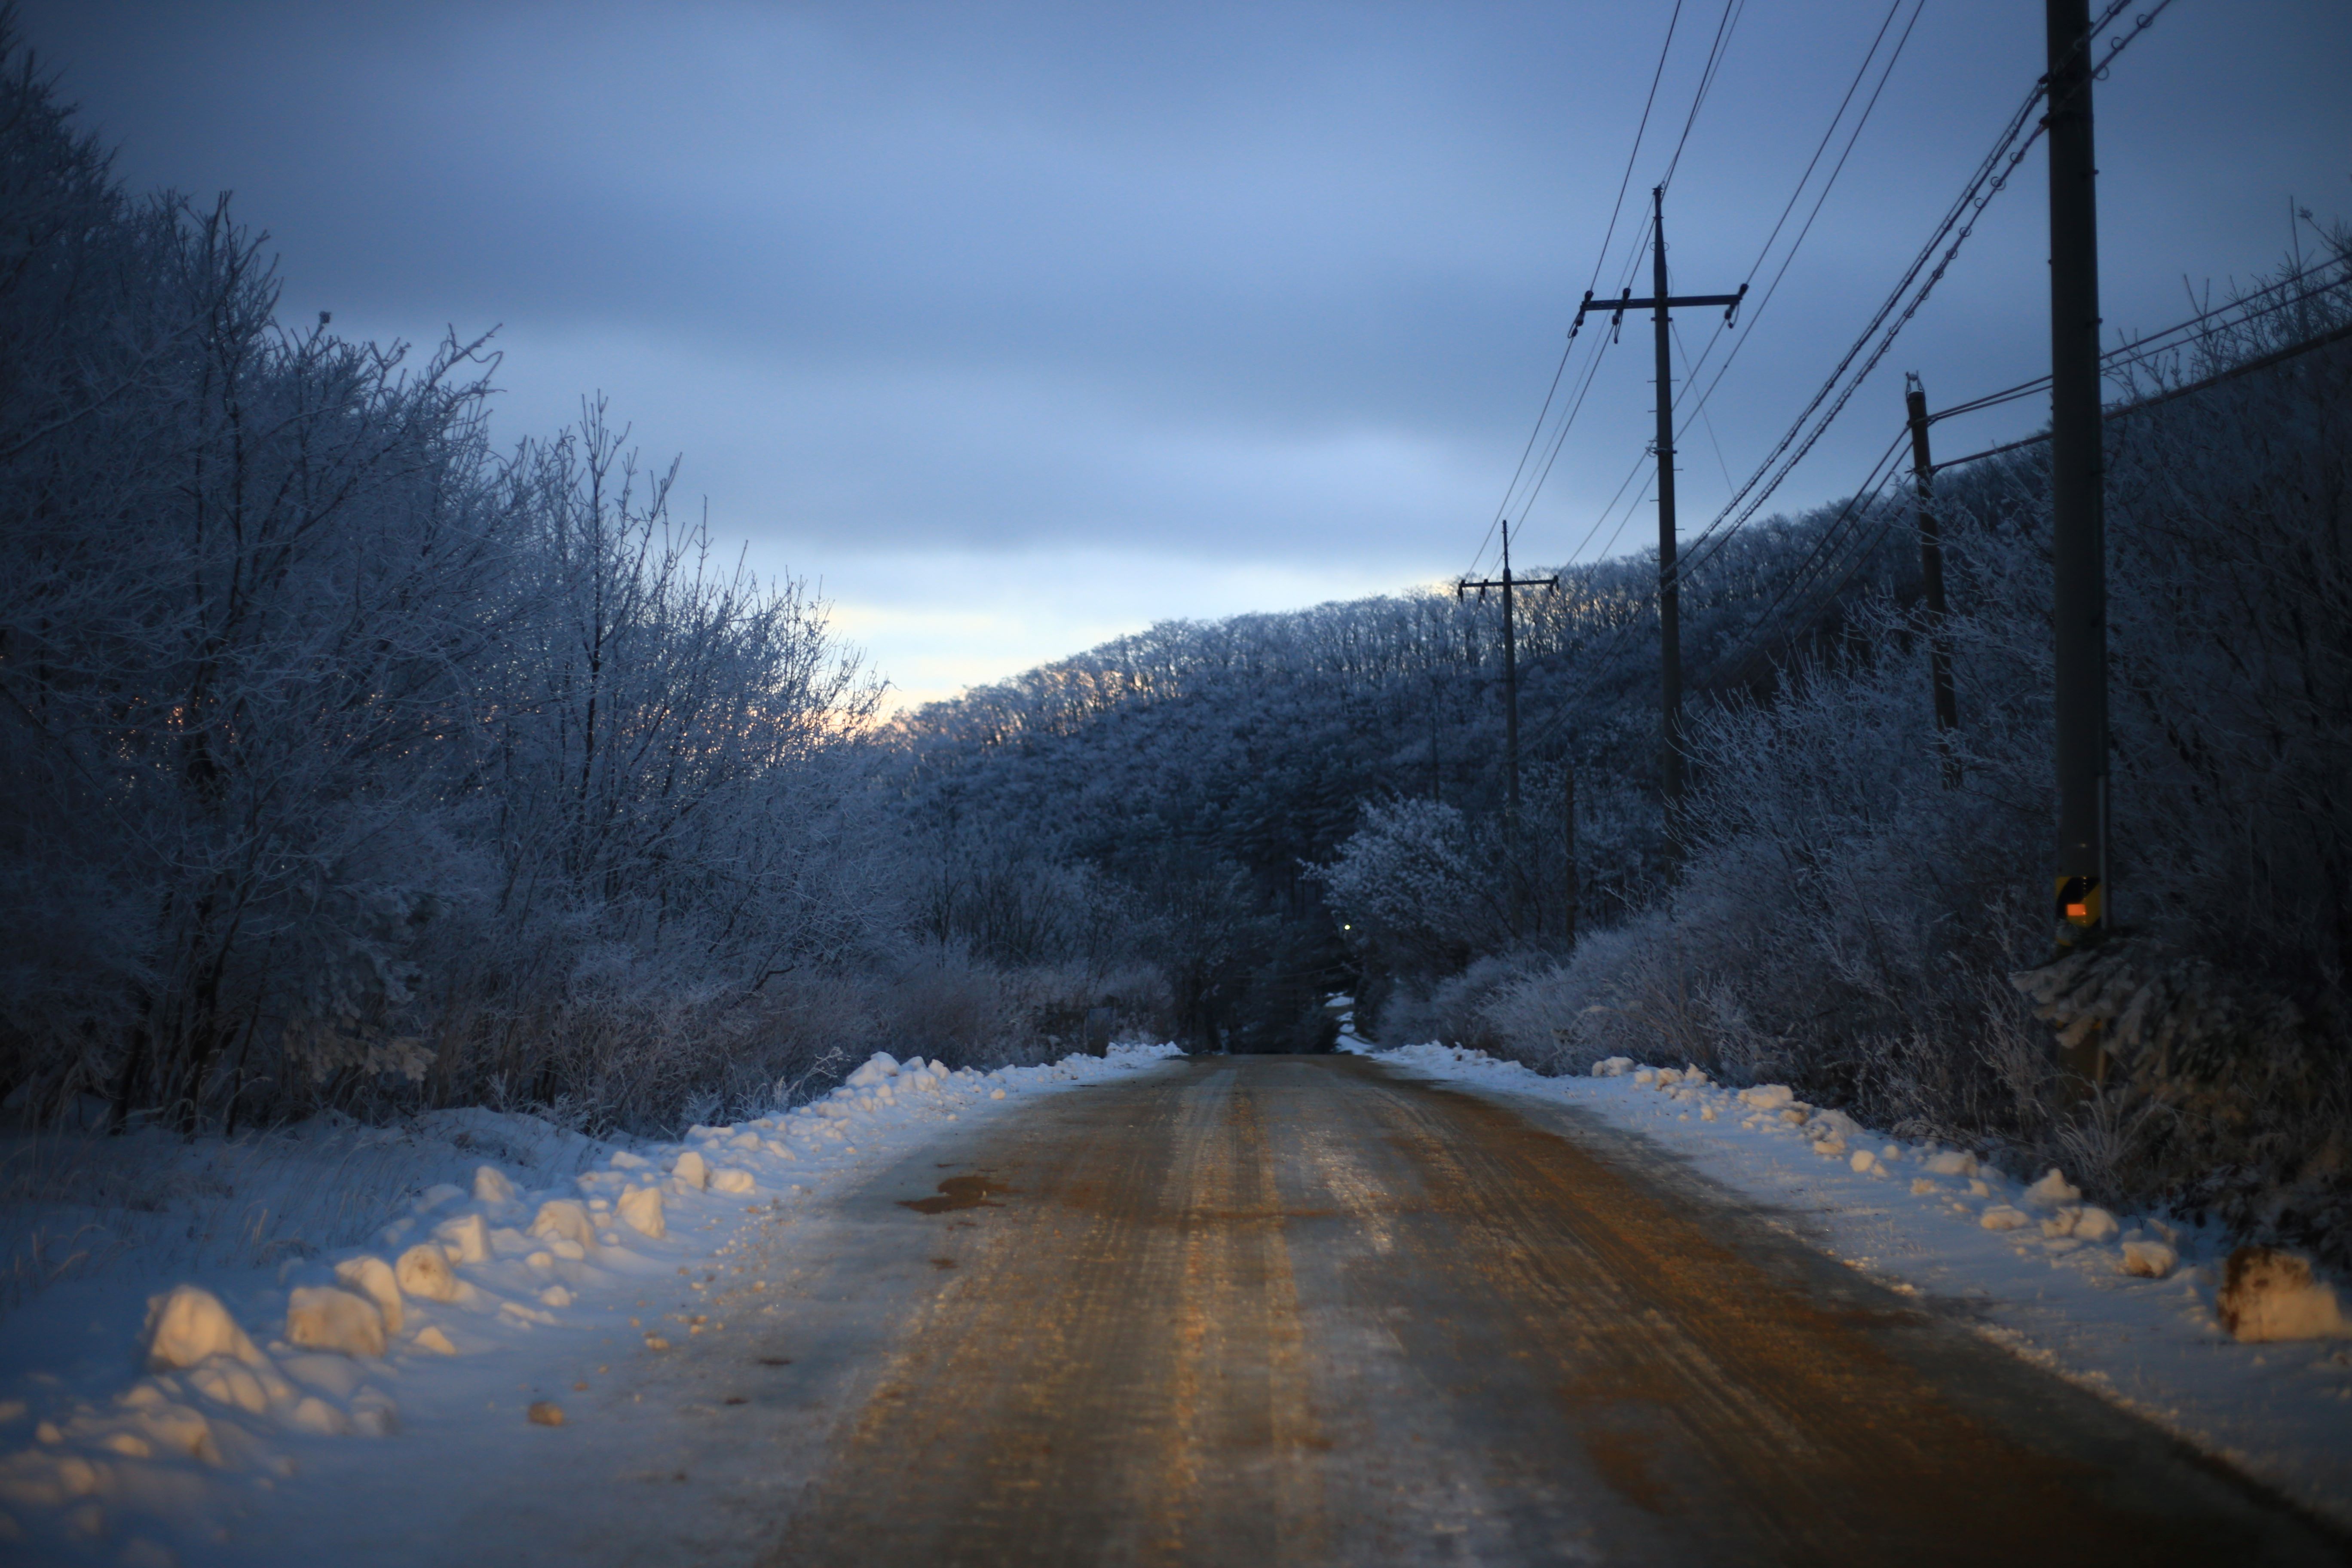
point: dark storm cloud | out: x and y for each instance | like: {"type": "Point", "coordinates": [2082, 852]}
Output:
{"type": "Point", "coordinates": [1233, 282]}
{"type": "Point", "coordinates": [856, 189]}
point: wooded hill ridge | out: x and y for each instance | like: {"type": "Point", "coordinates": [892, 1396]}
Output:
{"type": "Point", "coordinates": [352, 761]}
{"type": "Point", "coordinates": [1848, 914]}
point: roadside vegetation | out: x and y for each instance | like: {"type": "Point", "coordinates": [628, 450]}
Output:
{"type": "Point", "coordinates": [354, 759]}
{"type": "Point", "coordinates": [1860, 897]}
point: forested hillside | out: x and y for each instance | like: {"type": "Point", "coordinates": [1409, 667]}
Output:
{"type": "Point", "coordinates": [1241, 754]}
{"type": "Point", "coordinates": [351, 758]}
{"type": "Point", "coordinates": [1294, 804]}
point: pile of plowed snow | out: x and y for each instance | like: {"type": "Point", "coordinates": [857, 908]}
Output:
{"type": "Point", "coordinates": [2139, 1308]}
{"type": "Point", "coordinates": [2049, 1207]}
{"type": "Point", "coordinates": [114, 1449]}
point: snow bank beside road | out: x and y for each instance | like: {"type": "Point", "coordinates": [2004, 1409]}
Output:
{"type": "Point", "coordinates": [2122, 1304]}
{"type": "Point", "coordinates": [143, 1427]}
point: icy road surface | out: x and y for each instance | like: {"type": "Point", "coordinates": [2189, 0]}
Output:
{"type": "Point", "coordinates": [1280, 1310]}
{"type": "Point", "coordinates": [1303, 1310]}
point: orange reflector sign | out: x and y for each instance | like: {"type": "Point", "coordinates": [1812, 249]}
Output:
{"type": "Point", "coordinates": [2077, 903]}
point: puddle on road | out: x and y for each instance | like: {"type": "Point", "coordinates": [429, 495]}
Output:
{"type": "Point", "coordinates": [959, 1193]}
{"type": "Point", "coordinates": [1627, 1461]}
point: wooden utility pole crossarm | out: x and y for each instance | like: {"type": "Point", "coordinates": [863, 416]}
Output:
{"type": "Point", "coordinates": [1616, 308]}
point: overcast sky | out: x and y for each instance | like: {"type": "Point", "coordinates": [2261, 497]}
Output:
{"type": "Point", "coordinates": [1020, 326]}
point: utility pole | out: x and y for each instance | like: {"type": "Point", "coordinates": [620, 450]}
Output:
{"type": "Point", "coordinates": [1931, 577]}
{"type": "Point", "coordinates": [2077, 491]}
{"type": "Point", "coordinates": [1670, 640]}
{"type": "Point", "coordinates": [1567, 845]}
{"type": "Point", "coordinates": [1508, 583]}
{"type": "Point", "coordinates": [1436, 773]}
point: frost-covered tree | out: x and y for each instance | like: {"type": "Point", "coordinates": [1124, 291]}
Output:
{"type": "Point", "coordinates": [1852, 920]}
{"type": "Point", "coordinates": [1412, 888]}
{"type": "Point", "coordinates": [345, 758]}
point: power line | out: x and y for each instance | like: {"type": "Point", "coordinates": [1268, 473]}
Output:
{"type": "Point", "coordinates": [1731, 19]}
{"type": "Point", "coordinates": [1726, 25]}
{"type": "Point", "coordinates": [1853, 136]}
{"type": "Point", "coordinates": [1825, 548]}
{"type": "Point", "coordinates": [1829, 133]}
{"type": "Point", "coordinates": [1600, 260]}
{"type": "Point", "coordinates": [1626, 182]}
{"type": "Point", "coordinates": [2262, 362]}
{"type": "Point", "coordinates": [1698, 413]}
{"type": "Point", "coordinates": [1640, 465]}
{"type": "Point", "coordinates": [1991, 177]}
{"type": "Point", "coordinates": [2170, 339]}
{"type": "Point", "coordinates": [1830, 129]}
{"type": "Point", "coordinates": [1760, 639]}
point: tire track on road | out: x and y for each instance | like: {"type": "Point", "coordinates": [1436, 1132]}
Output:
{"type": "Point", "coordinates": [1303, 1310]}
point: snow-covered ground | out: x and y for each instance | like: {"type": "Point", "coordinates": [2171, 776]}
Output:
{"type": "Point", "coordinates": [181, 1397]}
{"type": "Point", "coordinates": [140, 1423]}
{"type": "Point", "coordinates": [2122, 1304]}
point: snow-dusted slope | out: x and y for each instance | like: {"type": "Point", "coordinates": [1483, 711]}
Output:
{"type": "Point", "coordinates": [155, 1412]}
{"type": "Point", "coordinates": [2121, 1304]}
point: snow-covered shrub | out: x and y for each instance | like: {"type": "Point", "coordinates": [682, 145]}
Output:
{"type": "Point", "coordinates": [1426, 907]}
{"type": "Point", "coordinates": [1454, 1009]}
{"type": "Point", "coordinates": [1629, 989]}
{"type": "Point", "coordinates": [347, 761]}
{"type": "Point", "coordinates": [1410, 881]}
{"type": "Point", "coordinates": [1850, 916]}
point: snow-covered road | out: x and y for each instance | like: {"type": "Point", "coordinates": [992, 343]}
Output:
{"type": "Point", "coordinates": [1286, 1309]}
{"type": "Point", "coordinates": [1298, 1310]}
{"type": "Point", "coordinates": [2123, 1304]}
